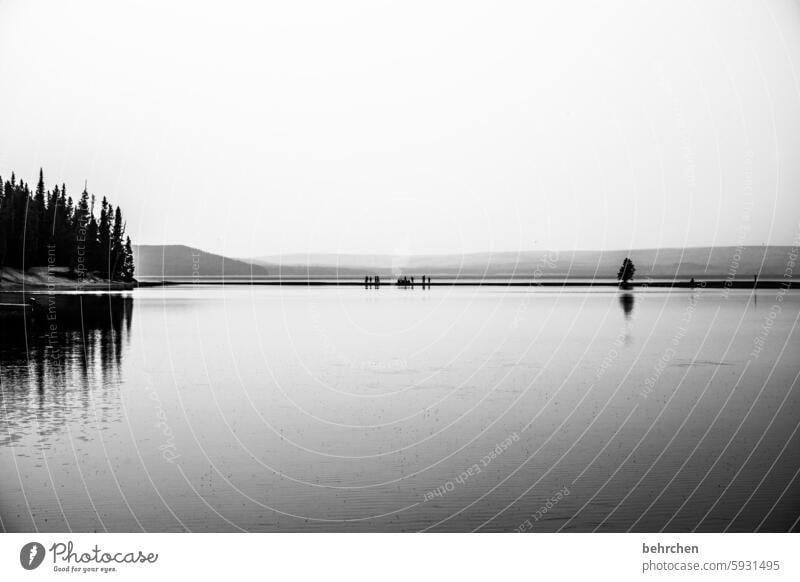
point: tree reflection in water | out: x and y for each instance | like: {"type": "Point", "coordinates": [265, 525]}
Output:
{"type": "Point", "coordinates": [626, 300]}
{"type": "Point", "coordinates": [66, 356]}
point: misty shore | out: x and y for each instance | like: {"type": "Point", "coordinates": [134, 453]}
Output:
{"type": "Point", "coordinates": [698, 284]}
{"type": "Point", "coordinates": [56, 279]}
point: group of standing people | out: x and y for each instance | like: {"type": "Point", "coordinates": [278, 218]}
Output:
{"type": "Point", "coordinates": [409, 282]}
{"type": "Point", "coordinates": [370, 282]}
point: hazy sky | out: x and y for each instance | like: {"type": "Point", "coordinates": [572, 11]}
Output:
{"type": "Point", "coordinates": [413, 127]}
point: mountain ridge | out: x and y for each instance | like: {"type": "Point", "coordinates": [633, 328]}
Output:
{"type": "Point", "coordinates": [739, 263]}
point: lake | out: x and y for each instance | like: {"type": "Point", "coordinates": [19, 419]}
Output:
{"type": "Point", "coordinates": [229, 408]}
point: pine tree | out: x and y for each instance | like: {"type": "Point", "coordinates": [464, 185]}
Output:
{"type": "Point", "coordinates": [61, 228]}
{"type": "Point", "coordinates": [128, 266]}
{"type": "Point", "coordinates": [11, 255]}
{"type": "Point", "coordinates": [103, 238]}
{"type": "Point", "coordinates": [91, 240]}
{"type": "Point", "coordinates": [79, 227]}
{"type": "Point", "coordinates": [117, 246]}
{"type": "Point", "coordinates": [30, 232]}
{"type": "Point", "coordinates": [626, 271]}
{"type": "Point", "coordinates": [5, 222]}
{"type": "Point", "coordinates": [40, 217]}
{"type": "Point", "coordinates": [52, 207]}
{"type": "Point", "coordinates": [69, 232]}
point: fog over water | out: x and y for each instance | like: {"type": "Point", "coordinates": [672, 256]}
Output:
{"type": "Point", "coordinates": [250, 129]}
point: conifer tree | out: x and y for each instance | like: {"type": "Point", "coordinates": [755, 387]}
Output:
{"type": "Point", "coordinates": [117, 246]}
{"type": "Point", "coordinates": [128, 268]}
{"type": "Point", "coordinates": [626, 271]}
{"type": "Point", "coordinates": [91, 239]}
{"type": "Point", "coordinates": [5, 222]}
{"type": "Point", "coordinates": [61, 229]}
{"type": "Point", "coordinates": [79, 227]}
{"type": "Point", "coordinates": [52, 206]}
{"type": "Point", "coordinates": [103, 238]}
{"type": "Point", "coordinates": [39, 222]}
{"type": "Point", "coordinates": [30, 230]}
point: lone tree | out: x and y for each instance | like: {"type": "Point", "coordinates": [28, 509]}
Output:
{"type": "Point", "coordinates": [626, 271]}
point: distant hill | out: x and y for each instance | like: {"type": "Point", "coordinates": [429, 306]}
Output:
{"type": "Point", "coordinates": [165, 261]}
{"type": "Point", "coordinates": [698, 262]}
{"type": "Point", "coordinates": [180, 261]}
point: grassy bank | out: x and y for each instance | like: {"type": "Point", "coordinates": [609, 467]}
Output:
{"type": "Point", "coordinates": [56, 278]}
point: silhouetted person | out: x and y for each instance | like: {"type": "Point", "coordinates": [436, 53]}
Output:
{"type": "Point", "coordinates": [692, 284]}
{"type": "Point", "coordinates": [366, 282]}
{"type": "Point", "coordinates": [377, 281]}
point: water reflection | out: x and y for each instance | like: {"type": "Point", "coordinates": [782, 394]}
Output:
{"type": "Point", "coordinates": [58, 360]}
{"type": "Point", "coordinates": [276, 431]}
{"type": "Point", "coordinates": [626, 300]}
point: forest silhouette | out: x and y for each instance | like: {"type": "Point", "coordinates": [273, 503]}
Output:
{"type": "Point", "coordinates": [48, 228]}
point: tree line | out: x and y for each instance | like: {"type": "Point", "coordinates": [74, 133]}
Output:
{"type": "Point", "coordinates": [48, 228]}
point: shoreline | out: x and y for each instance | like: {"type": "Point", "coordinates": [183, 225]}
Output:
{"type": "Point", "coordinates": [770, 284]}
{"type": "Point", "coordinates": [57, 279]}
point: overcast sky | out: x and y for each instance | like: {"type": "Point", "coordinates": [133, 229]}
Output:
{"type": "Point", "coordinates": [413, 127]}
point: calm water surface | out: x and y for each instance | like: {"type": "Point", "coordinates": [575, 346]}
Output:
{"type": "Point", "coordinates": [346, 409]}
